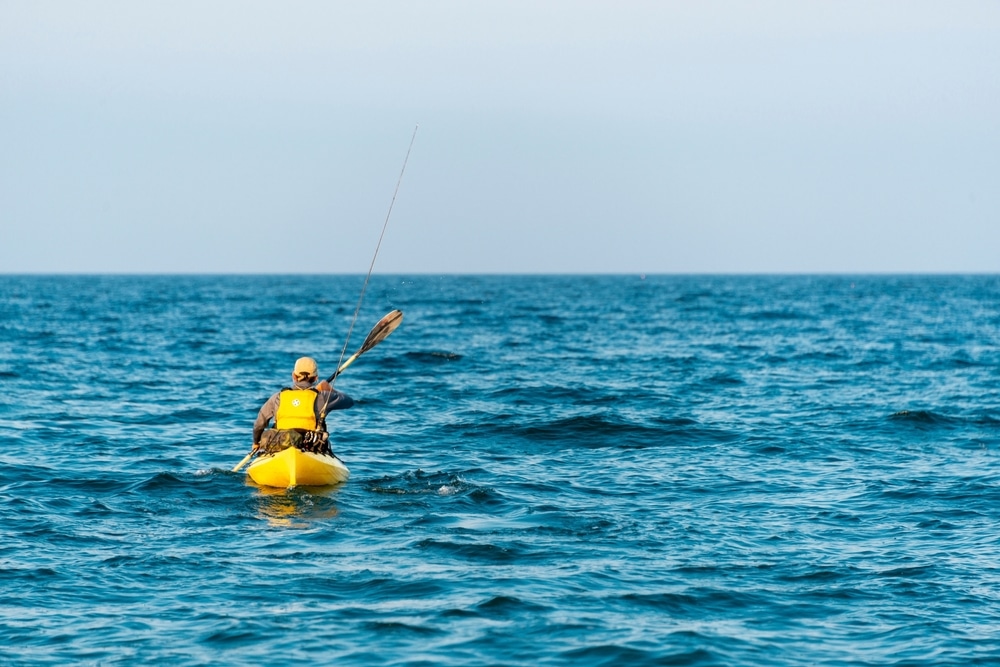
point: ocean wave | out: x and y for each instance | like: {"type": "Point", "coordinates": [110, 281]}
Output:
{"type": "Point", "coordinates": [923, 418]}
{"type": "Point", "coordinates": [603, 430]}
{"type": "Point", "coordinates": [710, 470]}
{"type": "Point", "coordinates": [432, 357]}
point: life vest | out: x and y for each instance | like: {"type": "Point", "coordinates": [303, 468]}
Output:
{"type": "Point", "coordinates": [296, 409]}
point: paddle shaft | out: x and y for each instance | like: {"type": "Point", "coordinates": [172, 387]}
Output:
{"type": "Point", "coordinates": [343, 366]}
{"type": "Point", "coordinates": [244, 461]}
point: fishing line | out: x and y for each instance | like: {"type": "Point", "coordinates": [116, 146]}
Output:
{"type": "Point", "coordinates": [377, 246]}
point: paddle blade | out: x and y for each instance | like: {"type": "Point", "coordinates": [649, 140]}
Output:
{"type": "Point", "coordinates": [381, 330]}
{"type": "Point", "coordinates": [379, 333]}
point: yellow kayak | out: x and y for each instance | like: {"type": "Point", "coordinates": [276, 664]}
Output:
{"type": "Point", "coordinates": [293, 467]}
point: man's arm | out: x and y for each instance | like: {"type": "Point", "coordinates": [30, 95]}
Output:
{"type": "Point", "coordinates": [335, 400]}
{"type": "Point", "coordinates": [267, 412]}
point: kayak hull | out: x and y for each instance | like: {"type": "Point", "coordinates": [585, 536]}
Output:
{"type": "Point", "coordinates": [293, 467]}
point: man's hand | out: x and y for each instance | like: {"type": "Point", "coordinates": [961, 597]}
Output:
{"type": "Point", "coordinates": [324, 386]}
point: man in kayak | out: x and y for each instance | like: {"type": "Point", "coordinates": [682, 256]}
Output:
{"type": "Point", "coordinates": [299, 413]}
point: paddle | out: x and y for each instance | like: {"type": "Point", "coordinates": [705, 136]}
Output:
{"type": "Point", "coordinates": [379, 333]}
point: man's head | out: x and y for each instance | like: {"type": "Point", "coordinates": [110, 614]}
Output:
{"type": "Point", "coordinates": [305, 370]}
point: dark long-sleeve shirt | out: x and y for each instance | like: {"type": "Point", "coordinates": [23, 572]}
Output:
{"type": "Point", "coordinates": [325, 402]}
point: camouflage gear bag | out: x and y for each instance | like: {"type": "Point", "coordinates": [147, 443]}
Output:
{"type": "Point", "coordinates": [274, 440]}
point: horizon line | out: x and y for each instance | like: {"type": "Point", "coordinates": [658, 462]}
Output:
{"type": "Point", "coordinates": [640, 274]}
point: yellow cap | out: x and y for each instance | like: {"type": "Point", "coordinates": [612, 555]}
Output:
{"type": "Point", "coordinates": [305, 366]}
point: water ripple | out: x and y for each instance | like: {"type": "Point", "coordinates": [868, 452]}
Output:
{"type": "Point", "coordinates": [699, 470]}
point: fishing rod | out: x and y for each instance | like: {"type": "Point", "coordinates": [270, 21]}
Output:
{"type": "Point", "coordinates": [386, 325]}
{"type": "Point", "coordinates": [340, 362]}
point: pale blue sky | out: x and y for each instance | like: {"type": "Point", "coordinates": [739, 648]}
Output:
{"type": "Point", "coordinates": [562, 136]}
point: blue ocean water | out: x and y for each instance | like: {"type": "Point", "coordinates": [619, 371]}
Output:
{"type": "Point", "coordinates": [546, 470]}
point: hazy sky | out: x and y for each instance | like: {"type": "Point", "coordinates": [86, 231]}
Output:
{"type": "Point", "coordinates": [555, 136]}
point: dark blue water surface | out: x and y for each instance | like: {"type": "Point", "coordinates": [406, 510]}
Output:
{"type": "Point", "coordinates": [580, 470]}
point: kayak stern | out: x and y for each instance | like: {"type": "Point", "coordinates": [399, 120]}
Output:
{"type": "Point", "coordinates": [293, 467]}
